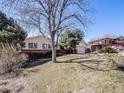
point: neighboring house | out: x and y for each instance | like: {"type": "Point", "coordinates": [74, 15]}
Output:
{"type": "Point", "coordinates": [82, 47]}
{"type": "Point", "coordinates": [37, 43]}
{"type": "Point", "coordinates": [117, 43]}
{"type": "Point", "coordinates": [42, 44]}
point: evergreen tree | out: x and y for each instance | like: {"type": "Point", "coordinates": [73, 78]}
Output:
{"type": "Point", "coordinates": [69, 39]}
{"type": "Point", "coordinates": [10, 31]}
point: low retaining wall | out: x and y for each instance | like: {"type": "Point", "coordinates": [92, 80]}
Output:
{"type": "Point", "coordinates": [39, 54]}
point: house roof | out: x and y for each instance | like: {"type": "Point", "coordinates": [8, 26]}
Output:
{"type": "Point", "coordinates": [36, 37]}
{"type": "Point", "coordinates": [106, 38]}
{"type": "Point", "coordinates": [99, 40]}
{"type": "Point", "coordinates": [82, 44]}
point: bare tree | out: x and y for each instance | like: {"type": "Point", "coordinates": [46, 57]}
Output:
{"type": "Point", "coordinates": [51, 17]}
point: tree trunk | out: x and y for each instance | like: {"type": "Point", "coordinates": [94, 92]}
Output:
{"type": "Point", "coordinates": [53, 51]}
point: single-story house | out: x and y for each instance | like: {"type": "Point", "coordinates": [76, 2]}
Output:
{"type": "Point", "coordinates": [37, 42]}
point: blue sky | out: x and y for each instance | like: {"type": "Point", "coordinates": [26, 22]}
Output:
{"type": "Point", "coordinates": [109, 19]}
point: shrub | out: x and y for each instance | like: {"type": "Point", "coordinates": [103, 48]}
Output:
{"type": "Point", "coordinates": [10, 59]}
{"type": "Point", "coordinates": [34, 56]}
{"type": "Point", "coordinates": [107, 50]}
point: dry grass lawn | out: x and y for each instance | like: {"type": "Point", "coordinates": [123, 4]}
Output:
{"type": "Point", "coordinates": [75, 74]}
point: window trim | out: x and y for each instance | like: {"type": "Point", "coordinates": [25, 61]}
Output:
{"type": "Point", "coordinates": [32, 45]}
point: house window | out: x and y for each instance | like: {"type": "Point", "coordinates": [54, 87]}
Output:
{"type": "Point", "coordinates": [110, 42]}
{"type": "Point", "coordinates": [123, 44]}
{"type": "Point", "coordinates": [49, 46]}
{"type": "Point", "coordinates": [44, 46]}
{"type": "Point", "coordinates": [32, 45]}
{"type": "Point", "coordinates": [105, 41]}
{"type": "Point", "coordinates": [100, 42]}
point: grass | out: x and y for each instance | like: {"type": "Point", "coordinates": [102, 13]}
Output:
{"type": "Point", "coordinates": [70, 76]}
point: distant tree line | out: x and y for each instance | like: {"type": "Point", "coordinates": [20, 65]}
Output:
{"type": "Point", "coordinates": [121, 36]}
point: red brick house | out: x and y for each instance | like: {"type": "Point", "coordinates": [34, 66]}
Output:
{"type": "Point", "coordinates": [117, 43]}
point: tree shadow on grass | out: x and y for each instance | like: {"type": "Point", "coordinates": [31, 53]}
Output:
{"type": "Point", "coordinates": [120, 68]}
{"type": "Point", "coordinates": [89, 64]}
{"type": "Point", "coordinates": [86, 64]}
{"type": "Point", "coordinates": [93, 68]}
{"type": "Point", "coordinates": [33, 63]}
{"type": "Point", "coordinates": [114, 66]}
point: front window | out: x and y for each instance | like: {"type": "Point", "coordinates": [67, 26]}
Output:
{"type": "Point", "coordinates": [32, 45]}
{"type": "Point", "coordinates": [49, 46]}
{"type": "Point", "coordinates": [110, 42]}
{"type": "Point", "coordinates": [44, 46]}
{"type": "Point", "coordinates": [100, 42]}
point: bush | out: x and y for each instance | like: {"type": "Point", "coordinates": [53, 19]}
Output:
{"type": "Point", "coordinates": [107, 50]}
{"type": "Point", "coordinates": [34, 56]}
{"type": "Point", "coordinates": [10, 59]}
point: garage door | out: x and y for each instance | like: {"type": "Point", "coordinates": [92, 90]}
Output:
{"type": "Point", "coordinates": [81, 50]}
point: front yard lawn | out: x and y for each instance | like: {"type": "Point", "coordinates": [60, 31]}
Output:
{"type": "Point", "coordinates": [89, 73]}
{"type": "Point", "coordinates": [69, 75]}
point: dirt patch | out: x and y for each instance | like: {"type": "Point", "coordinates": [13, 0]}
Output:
{"type": "Point", "coordinates": [15, 85]}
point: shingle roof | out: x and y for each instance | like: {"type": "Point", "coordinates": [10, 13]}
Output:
{"type": "Point", "coordinates": [82, 43]}
{"type": "Point", "coordinates": [39, 36]}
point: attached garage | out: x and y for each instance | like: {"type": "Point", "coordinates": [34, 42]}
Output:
{"type": "Point", "coordinates": [81, 48]}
